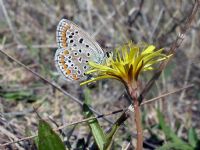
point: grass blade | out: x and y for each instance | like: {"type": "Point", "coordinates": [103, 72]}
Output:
{"type": "Point", "coordinates": [192, 137]}
{"type": "Point", "coordinates": [95, 127]}
{"type": "Point", "coordinates": [171, 136]}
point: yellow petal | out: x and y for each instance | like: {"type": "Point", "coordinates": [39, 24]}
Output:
{"type": "Point", "coordinates": [149, 49]}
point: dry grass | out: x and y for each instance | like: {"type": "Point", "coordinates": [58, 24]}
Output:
{"type": "Point", "coordinates": [28, 29]}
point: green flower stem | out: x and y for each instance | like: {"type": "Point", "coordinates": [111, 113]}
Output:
{"type": "Point", "coordinates": [134, 94]}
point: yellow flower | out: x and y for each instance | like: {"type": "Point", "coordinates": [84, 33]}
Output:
{"type": "Point", "coordinates": [127, 63]}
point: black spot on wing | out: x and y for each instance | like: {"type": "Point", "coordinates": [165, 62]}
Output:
{"type": "Point", "coordinates": [81, 40]}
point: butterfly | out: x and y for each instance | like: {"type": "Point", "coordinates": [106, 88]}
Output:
{"type": "Point", "coordinates": [75, 49]}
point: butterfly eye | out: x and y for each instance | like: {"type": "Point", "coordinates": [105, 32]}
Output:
{"type": "Point", "coordinates": [70, 36]}
{"type": "Point", "coordinates": [71, 41]}
{"type": "Point", "coordinates": [108, 54]}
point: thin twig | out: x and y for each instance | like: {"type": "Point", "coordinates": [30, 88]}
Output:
{"type": "Point", "coordinates": [9, 22]}
{"type": "Point", "coordinates": [106, 20]}
{"type": "Point", "coordinates": [169, 93]}
{"type": "Point", "coordinates": [157, 23]}
{"type": "Point", "coordinates": [9, 134]}
{"type": "Point", "coordinates": [61, 127]}
{"type": "Point", "coordinates": [188, 67]}
{"type": "Point", "coordinates": [38, 46]}
{"type": "Point", "coordinates": [100, 116]}
{"type": "Point", "coordinates": [172, 50]}
{"type": "Point", "coordinates": [52, 84]}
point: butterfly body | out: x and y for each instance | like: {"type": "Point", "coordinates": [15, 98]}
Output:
{"type": "Point", "coordinates": [75, 49]}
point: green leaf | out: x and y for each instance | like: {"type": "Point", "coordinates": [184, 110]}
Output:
{"type": "Point", "coordinates": [170, 135]}
{"type": "Point", "coordinates": [114, 129]}
{"type": "Point", "coordinates": [192, 137]}
{"type": "Point", "coordinates": [103, 141]}
{"type": "Point", "coordinates": [36, 140]}
{"type": "Point", "coordinates": [87, 94]}
{"type": "Point", "coordinates": [110, 136]}
{"type": "Point", "coordinates": [18, 95]}
{"type": "Point", "coordinates": [95, 127]}
{"type": "Point", "coordinates": [48, 139]}
{"type": "Point", "coordinates": [175, 146]}
{"type": "Point", "coordinates": [3, 40]}
{"type": "Point", "coordinates": [176, 143]}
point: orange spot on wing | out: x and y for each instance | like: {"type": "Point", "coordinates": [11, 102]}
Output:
{"type": "Point", "coordinates": [68, 71]}
{"type": "Point", "coordinates": [64, 44]}
{"type": "Point", "coordinates": [63, 33]}
{"type": "Point", "coordinates": [62, 59]}
{"type": "Point", "coordinates": [65, 66]}
{"type": "Point", "coordinates": [67, 27]}
{"type": "Point", "coordinates": [64, 37]}
{"type": "Point", "coordinates": [62, 62]}
{"type": "Point", "coordinates": [66, 52]}
{"type": "Point", "coordinates": [74, 76]}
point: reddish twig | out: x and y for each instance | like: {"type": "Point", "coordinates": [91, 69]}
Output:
{"type": "Point", "coordinates": [176, 44]}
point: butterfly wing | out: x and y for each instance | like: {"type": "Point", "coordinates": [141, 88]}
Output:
{"type": "Point", "coordinates": [75, 49]}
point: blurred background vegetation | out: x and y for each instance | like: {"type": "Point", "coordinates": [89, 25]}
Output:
{"type": "Point", "coordinates": [27, 32]}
